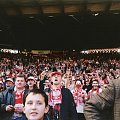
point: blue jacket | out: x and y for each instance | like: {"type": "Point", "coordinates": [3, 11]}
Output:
{"type": "Point", "coordinates": [7, 98]}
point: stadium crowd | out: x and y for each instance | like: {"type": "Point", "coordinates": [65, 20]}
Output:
{"type": "Point", "coordinates": [83, 76]}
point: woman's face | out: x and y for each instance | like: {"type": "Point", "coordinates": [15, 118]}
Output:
{"type": "Point", "coordinates": [35, 107]}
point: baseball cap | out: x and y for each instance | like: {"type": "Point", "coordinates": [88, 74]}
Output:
{"type": "Point", "coordinates": [31, 78]}
{"type": "Point", "coordinates": [9, 79]}
{"type": "Point", "coordinates": [54, 73]}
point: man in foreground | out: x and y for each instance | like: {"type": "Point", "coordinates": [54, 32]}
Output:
{"type": "Point", "coordinates": [105, 105]}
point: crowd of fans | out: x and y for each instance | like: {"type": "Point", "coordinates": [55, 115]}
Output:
{"type": "Point", "coordinates": [83, 75]}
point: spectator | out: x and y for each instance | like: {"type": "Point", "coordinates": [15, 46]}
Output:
{"type": "Point", "coordinates": [36, 105]}
{"type": "Point", "coordinates": [31, 82]}
{"type": "Point", "coordinates": [9, 83]}
{"type": "Point", "coordinates": [61, 101]}
{"type": "Point", "coordinates": [12, 100]}
{"type": "Point", "coordinates": [87, 85]}
{"type": "Point", "coordinates": [1, 86]}
{"type": "Point", "coordinates": [95, 89]}
{"type": "Point", "coordinates": [80, 96]}
{"type": "Point", "coordinates": [104, 105]}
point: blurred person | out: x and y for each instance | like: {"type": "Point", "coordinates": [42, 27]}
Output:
{"type": "Point", "coordinates": [1, 86]}
{"type": "Point", "coordinates": [47, 86]}
{"type": "Point", "coordinates": [9, 83]}
{"type": "Point", "coordinates": [3, 81]}
{"type": "Point", "coordinates": [87, 85]}
{"type": "Point", "coordinates": [72, 83]}
{"type": "Point", "coordinates": [80, 96]}
{"type": "Point", "coordinates": [106, 104]}
{"type": "Point", "coordinates": [38, 83]}
{"type": "Point", "coordinates": [95, 89]}
{"type": "Point", "coordinates": [12, 100]}
{"type": "Point", "coordinates": [61, 101]}
{"type": "Point", "coordinates": [43, 77]}
{"type": "Point", "coordinates": [105, 78]}
{"type": "Point", "coordinates": [68, 79]}
{"type": "Point", "coordinates": [102, 84]}
{"type": "Point", "coordinates": [36, 105]}
{"type": "Point", "coordinates": [31, 82]}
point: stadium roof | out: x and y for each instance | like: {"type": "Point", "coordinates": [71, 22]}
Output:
{"type": "Point", "coordinates": [60, 24]}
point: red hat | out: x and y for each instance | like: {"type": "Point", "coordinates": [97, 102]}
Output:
{"type": "Point", "coordinates": [54, 73]}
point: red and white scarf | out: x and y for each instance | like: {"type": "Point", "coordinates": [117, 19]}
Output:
{"type": "Point", "coordinates": [78, 96]}
{"type": "Point", "coordinates": [55, 98]}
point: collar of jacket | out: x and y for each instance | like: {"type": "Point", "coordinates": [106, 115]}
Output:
{"type": "Point", "coordinates": [11, 89]}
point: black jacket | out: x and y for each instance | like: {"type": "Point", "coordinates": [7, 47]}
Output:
{"type": "Point", "coordinates": [67, 107]}
{"type": "Point", "coordinates": [46, 117]}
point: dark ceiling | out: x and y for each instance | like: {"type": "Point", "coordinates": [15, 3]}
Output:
{"type": "Point", "coordinates": [59, 24]}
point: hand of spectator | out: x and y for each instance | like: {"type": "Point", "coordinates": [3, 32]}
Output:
{"type": "Point", "coordinates": [42, 75]}
{"type": "Point", "coordinates": [18, 108]}
{"type": "Point", "coordinates": [9, 108]}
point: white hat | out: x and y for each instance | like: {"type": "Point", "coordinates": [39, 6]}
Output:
{"type": "Point", "coordinates": [9, 79]}
{"type": "Point", "coordinates": [30, 78]}
{"type": "Point", "coordinates": [1, 82]}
